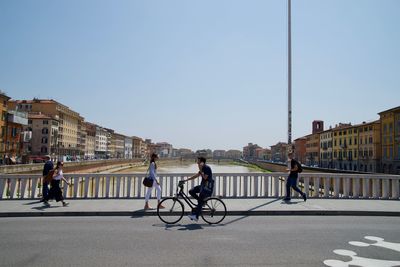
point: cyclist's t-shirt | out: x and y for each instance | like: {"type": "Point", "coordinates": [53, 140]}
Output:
{"type": "Point", "coordinates": [207, 185]}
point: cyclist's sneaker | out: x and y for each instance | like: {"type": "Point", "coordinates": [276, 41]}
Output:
{"type": "Point", "coordinates": [286, 199]}
{"type": "Point", "coordinates": [304, 196]}
{"type": "Point", "coordinates": [193, 217]}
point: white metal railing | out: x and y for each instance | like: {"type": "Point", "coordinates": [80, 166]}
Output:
{"type": "Point", "coordinates": [227, 185]}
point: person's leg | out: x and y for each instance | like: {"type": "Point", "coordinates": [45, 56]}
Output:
{"type": "Point", "coordinates": [148, 195]}
{"type": "Point", "coordinates": [45, 190]}
{"type": "Point", "coordinates": [158, 191]}
{"type": "Point", "coordinates": [288, 185]}
{"type": "Point", "coordinates": [295, 188]}
{"type": "Point", "coordinates": [194, 191]}
{"type": "Point", "coordinates": [200, 203]}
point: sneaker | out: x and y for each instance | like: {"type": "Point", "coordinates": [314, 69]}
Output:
{"type": "Point", "coordinates": [65, 204]}
{"type": "Point", "coordinates": [47, 204]}
{"type": "Point", "coordinates": [286, 199]}
{"type": "Point", "coordinates": [193, 217]}
{"type": "Point", "coordinates": [304, 196]}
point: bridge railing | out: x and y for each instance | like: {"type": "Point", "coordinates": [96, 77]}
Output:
{"type": "Point", "coordinates": [227, 185]}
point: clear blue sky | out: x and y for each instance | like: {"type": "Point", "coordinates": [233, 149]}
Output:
{"type": "Point", "coordinates": [204, 74]}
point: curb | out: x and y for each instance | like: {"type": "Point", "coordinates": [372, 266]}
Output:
{"type": "Point", "coordinates": [229, 213]}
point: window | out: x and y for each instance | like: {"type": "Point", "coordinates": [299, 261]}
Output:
{"type": "Point", "coordinates": [390, 152]}
{"type": "Point", "coordinates": [370, 153]}
{"type": "Point", "coordinates": [44, 140]}
{"type": "Point", "coordinates": [385, 153]}
{"type": "Point", "coordinates": [385, 128]}
{"type": "Point", "coordinates": [360, 141]}
{"type": "Point", "coordinates": [355, 130]}
{"type": "Point", "coordinates": [370, 140]}
{"type": "Point", "coordinates": [349, 141]}
{"type": "Point", "coordinates": [43, 149]}
{"type": "Point", "coordinates": [355, 140]}
{"type": "Point", "coordinates": [46, 122]}
{"type": "Point", "coordinates": [335, 142]}
{"type": "Point", "coordinates": [45, 131]}
{"type": "Point", "coordinates": [370, 128]}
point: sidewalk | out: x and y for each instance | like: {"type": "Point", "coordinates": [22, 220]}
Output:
{"type": "Point", "coordinates": [235, 207]}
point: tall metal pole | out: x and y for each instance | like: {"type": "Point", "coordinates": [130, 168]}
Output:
{"type": "Point", "coordinates": [289, 77]}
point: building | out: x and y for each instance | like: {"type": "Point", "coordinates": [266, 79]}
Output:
{"type": "Point", "coordinates": [101, 143]}
{"type": "Point", "coordinates": [300, 149]}
{"type": "Point", "coordinates": [90, 142]}
{"type": "Point", "coordinates": [326, 149]}
{"type": "Point", "coordinates": [128, 148]}
{"type": "Point", "coordinates": [369, 147]}
{"type": "Point", "coordinates": [345, 146]}
{"type": "Point", "coordinates": [249, 151]}
{"type": "Point", "coordinates": [279, 152]}
{"type": "Point", "coordinates": [313, 144]}
{"type": "Point", "coordinates": [206, 153]}
{"type": "Point", "coordinates": [263, 153]}
{"type": "Point", "coordinates": [117, 146]}
{"type": "Point", "coordinates": [233, 154]}
{"type": "Point", "coordinates": [3, 122]}
{"type": "Point", "coordinates": [16, 121]}
{"type": "Point", "coordinates": [69, 136]}
{"type": "Point", "coordinates": [82, 138]}
{"type": "Point", "coordinates": [164, 150]}
{"type": "Point", "coordinates": [219, 154]}
{"type": "Point", "coordinates": [390, 136]}
{"type": "Point", "coordinates": [137, 147]}
{"type": "Point", "coordinates": [41, 137]}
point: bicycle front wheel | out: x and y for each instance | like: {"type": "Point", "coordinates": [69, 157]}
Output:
{"type": "Point", "coordinates": [172, 212]}
{"type": "Point", "coordinates": [214, 210]}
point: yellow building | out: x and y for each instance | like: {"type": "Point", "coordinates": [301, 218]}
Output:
{"type": "Point", "coordinates": [69, 139]}
{"type": "Point", "coordinates": [345, 147]}
{"type": "Point", "coordinates": [369, 147]}
{"type": "Point", "coordinates": [3, 123]}
{"type": "Point", "coordinates": [390, 134]}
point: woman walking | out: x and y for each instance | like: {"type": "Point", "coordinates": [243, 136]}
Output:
{"type": "Point", "coordinates": [156, 185]}
{"type": "Point", "coordinates": [55, 190]}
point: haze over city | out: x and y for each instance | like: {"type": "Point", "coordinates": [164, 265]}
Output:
{"type": "Point", "coordinates": [206, 74]}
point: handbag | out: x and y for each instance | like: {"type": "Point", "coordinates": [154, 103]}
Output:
{"type": "Point", "coordinates": [147, 181]}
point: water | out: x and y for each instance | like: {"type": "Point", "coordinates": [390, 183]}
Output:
{"type": "Point", "coordinates": [216, 168]}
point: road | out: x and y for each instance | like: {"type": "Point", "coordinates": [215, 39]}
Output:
{"type": "Point", "coordinates": [144, 241]}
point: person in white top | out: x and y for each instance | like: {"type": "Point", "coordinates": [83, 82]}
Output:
{"type": "Point", "coordinates": [156, 185]}
{"type": "Point", "coordinates": [55, 190]}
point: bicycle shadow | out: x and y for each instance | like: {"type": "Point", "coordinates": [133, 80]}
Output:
{"type": "Point", "coordinates": [257, 207]}
{"type": "Point", "coordinates": [185, 227]}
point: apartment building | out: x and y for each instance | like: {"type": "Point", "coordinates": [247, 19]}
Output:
{"type": "Point", "coordinates": [69, 136]}
{"type": "Point", "coordinates": [390, 137]}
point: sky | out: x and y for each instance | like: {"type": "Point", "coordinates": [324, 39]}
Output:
{"type": "Point", "coordinates": [204, 74]}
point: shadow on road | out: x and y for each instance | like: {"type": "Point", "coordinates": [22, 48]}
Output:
{"type": "Point", "coordinates": [32, 203]}
{"type": "Point", "coordinates": [245, 216]}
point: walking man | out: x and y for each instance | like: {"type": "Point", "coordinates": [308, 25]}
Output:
{"type": "Point", "coordinates": [291, 182]}
{"type": "Point", "coordinates": [48, 166]}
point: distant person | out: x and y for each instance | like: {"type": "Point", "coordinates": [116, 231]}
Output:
{"type": "Point", "coordinates": [202, 191]}
{"type": "Point", "coordinates": [55, 190]}
{"type": "Point", "coordinates": [48, 166]}
{"type": "Point", "coordinates": [156, 185]}
{"type": "Point", "coordinates": [291, 181]}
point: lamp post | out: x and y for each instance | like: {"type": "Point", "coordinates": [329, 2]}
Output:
{"type": "Point", "coordinates": [289, 78]}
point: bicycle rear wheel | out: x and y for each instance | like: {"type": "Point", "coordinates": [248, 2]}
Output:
{"type": "Point", "coordinates": [173, 211]}
{"type": "Point", "coordinates": [214, 210]}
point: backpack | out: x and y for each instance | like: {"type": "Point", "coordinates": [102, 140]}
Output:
{"type": "Point", "coordinates": [299, 167]}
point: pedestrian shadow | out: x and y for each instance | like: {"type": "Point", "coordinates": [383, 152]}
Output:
{"type": "Point", "coordinates": [291, 202]}
{"type": "Point", "coordinates": [245, 216]}
{"type": "Point", "coordinates": [32, 203]}
{"type": "Point", "coordinates": [42, 208]}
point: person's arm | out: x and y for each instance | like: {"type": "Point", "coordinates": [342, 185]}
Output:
{"type": "Point", "coordinates": [193, 177]}
{"type": "Point", "coordinates": [65, 180]}
{"type": "Point", "coordinates": [293, 168]}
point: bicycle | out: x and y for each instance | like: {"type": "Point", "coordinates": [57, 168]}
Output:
{"type": "Point", "coordinates": [213, 211]}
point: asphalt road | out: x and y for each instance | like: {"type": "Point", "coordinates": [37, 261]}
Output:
{"type": "Point", "coordinates": [241, 241]}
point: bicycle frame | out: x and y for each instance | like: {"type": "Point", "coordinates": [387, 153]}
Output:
{"type": "Point", "coordinates": [186, 198]}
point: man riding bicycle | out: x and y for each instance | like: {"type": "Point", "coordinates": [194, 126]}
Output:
{"type": "Point", "coordinates": [202, 191]}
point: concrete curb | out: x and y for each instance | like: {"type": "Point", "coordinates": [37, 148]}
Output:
{"type": "Point", "coordinates": [230, 213]}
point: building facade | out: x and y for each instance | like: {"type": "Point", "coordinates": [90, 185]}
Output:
{"type": "Point", "coordinates": [249, 151]}
{"type": "Point", "coordinates": [101, 143]}
{"type": "Point", "coordinates": [43, 139]}
{"type": "Point", "coordinates": [390, 136]}
{"type": "Point", "coordinates": [279, 152]}
{"type": "Point", "coordinates": [300, 149]}
{"type": "Point", "coordinates": [69, 136]}
{"type": "Point", "coordinates": [90, 142]}
{"type": "Point", "coordinates": [326, 149]}
{"type": "Point", "coordinates": [369, 147]}
{"type": "Point", "coordinates": [3, 123]}
{"type": "Point", "coordinates": [128, 148]}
